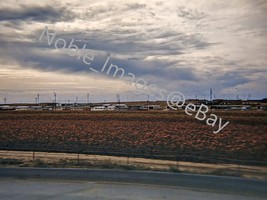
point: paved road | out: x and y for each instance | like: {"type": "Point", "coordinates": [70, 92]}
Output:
{"type": "Point", "coordinates": [13, 189]}
{"type": "Point", "coordinates": [32, 183]}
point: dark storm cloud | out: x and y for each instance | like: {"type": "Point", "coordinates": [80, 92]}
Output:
{"type": "Point", "coordinates": [232, 79]}
{"type": "Point", "coordinates": [36, 13]}
{"type": "Point", "coordinates": [174, 44]}
{"type": "Point", "coordinates": [48, 60]}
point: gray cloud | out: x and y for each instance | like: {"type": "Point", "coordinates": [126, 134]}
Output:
{"type": "Point", "coordinates": [36, 13]}
{"type": "Point", "coordinates": [190, 45]}
{"type": "Point", "coordinates": [190, 14]}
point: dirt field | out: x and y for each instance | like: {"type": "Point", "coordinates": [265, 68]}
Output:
{"type": "Point", "coordinates": [160, 135]}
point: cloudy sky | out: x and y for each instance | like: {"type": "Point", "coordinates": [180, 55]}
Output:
{"type": "Point", "coordinates": [185, 45]}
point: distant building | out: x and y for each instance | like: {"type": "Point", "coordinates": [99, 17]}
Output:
{"type": "Point", "coordinates": [120, 106]}
{"type": "Point", "coordinates": [151, 107]}
{"type": "Point", "coordinates": [135, 107]}
{"type": "Point", "coordinates": [109, 107]}
{"type": "Point", "coordinates": [22, 108]}
{"type": "Point", "coordinates": [99, 108]}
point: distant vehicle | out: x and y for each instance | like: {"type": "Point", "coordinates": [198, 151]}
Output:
{"type": "Point", "coordinates": [98, 108]}
{"type": "Point", "coordinates": [7, 108]}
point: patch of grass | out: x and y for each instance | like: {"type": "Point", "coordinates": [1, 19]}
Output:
{"type": "Point", "coordinates": [10, 161]}
{"type": "Point", "coordinates": [174, 169]}
{"type": "Point", "coordinates": [38, 163]}
{"type": "Point", "coordinates": [223, 172]}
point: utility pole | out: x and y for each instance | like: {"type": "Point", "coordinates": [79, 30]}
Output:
{"type": "Point", "coordinates": [119, 101]}
{"type": "Point", "coordinates": [118, 98]}
{"type": "Point", "coordinates": [210, 94]}
{"type": "Point", "coordinates": [4, 100]}
{"type": "Point", "coordinates": [147, 102]}
{"type": "Point", "coordinates": [38, 98]}
{"type": "Point", "coordinates": [88, 98]}
{"type": "Point", "coordinates": [55, 97]}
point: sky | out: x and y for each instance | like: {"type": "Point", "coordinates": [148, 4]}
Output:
{"type": "Point", "coordinates": [188, 46]}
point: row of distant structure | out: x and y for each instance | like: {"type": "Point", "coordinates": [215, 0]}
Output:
{"type": "Point", "coordinates": [81, 106]}
{"type": "Point", "coordinates": [54, 100]}
{"type": "Point", "coordinates": [37, 98]}
{"type": "Point", "coordinates": [137, 105]}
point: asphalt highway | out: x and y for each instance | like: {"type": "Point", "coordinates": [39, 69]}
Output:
{"type": "Point", "coordinates": [34, 183]}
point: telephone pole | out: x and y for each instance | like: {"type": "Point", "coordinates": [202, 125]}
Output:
{"type": "Point", "coordinates": [118, 98]}
{"type": "Point", "coordinates": [210, 94]}
{"type": "Point", "coordinates": [55, 99]}
{"type": "Point", "coordinates": [119, 101]}
{"type": "Point", "coordinates": [88, 98]}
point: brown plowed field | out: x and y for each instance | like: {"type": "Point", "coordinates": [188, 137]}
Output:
{"type": "Point", "coordinates": [162, 135]}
